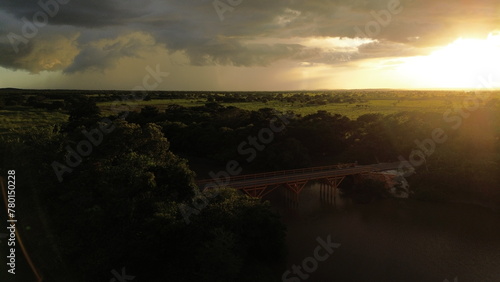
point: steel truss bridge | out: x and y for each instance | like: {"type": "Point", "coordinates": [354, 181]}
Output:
{"type": "Point", "coordinates": [330, 177]}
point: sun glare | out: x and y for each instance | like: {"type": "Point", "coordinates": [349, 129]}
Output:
{"type": "Point", "coordinates": [462, 64]}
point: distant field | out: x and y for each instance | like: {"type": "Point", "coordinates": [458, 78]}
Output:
{"type": "Point", "coordinates": [17, 117]}
{"type": "Point", "coordinates": [348, 103]}
{"type": "Point", "coordinates": [351, 110]}
{"type": "Point", "coordinates": [106, 107]}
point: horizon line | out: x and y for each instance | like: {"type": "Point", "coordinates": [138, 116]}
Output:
{"type": "Point", "coordinates": [291, 90]}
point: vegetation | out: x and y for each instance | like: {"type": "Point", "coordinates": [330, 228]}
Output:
{"type": "Point", "coordinates": [24, 108]}
{"type": "Point", "coordinates": [118, 203]}
{"type": "Point", "coordinates": [120, 207]}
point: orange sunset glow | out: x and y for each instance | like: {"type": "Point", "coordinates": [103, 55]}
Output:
{"type": "Point", "coordinates": [206, 45]}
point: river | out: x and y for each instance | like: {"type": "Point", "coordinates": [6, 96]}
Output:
{"type": "Point", "coordinates": [390, 240]}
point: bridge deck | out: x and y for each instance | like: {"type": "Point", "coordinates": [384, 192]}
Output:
{"type": "Point", "coordinates": [298, 175]}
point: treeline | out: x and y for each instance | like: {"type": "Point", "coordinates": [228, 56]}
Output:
{"type": "Point", "coordinates": [55, 99]}
{"type": "Point", "coordinates": [118, 203]}
{"type": "Point", "coordinates": [464, 166]}
{"type": "Point", "coordinates": [126, 201]}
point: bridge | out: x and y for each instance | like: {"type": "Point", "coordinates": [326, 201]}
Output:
{"type": "Point", "coordinates": [259, 185]}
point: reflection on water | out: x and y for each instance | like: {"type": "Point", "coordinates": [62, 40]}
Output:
{"type": "Point", "coordinates": [314, 199]}
{"type": "Point", "coordinates": [392, 240]}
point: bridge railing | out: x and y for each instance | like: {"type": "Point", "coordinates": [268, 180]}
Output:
{"type": "Point", "coordinates": [278, 173]}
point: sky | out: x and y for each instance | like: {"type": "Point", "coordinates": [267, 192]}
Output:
{"type": "Point", "coordinates": [249, 45]}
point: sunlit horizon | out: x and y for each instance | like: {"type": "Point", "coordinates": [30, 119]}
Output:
{"type": "Point", "coordinates": [464, 64]}
{"type": "Point", "coordinates": [284, 47]}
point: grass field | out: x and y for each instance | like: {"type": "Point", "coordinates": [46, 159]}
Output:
{"type": "Point", "coordinates": [383, 102]}
{"type": "Point", "coordinates": [351, 110]}
{"type": "Point", "coordinates": [17, 117]}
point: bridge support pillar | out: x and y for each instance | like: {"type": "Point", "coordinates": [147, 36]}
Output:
{"type": "Point", "coordinates": [291, 199]}
{"type": "Point", "coordinates": [293, 192]}
{"type": "Point", "coordinates": [328, 190]}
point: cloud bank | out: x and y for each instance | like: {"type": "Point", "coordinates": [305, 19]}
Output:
{"type": "Point", "coordinates": [94, 35]}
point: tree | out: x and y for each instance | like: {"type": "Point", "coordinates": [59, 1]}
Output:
{"type": "Point", "coordinates": [120, 207]}
{"type": "Point", "coordinates": [127, 180]}
{"type": "Point", "coordinates": [149, 112]}
{"type": "Point", "coordinates": [288, 154]}
{"type": "Point", "coordinates": [82, 111]}
{"type": "Point", "coordinates": [255, 237]}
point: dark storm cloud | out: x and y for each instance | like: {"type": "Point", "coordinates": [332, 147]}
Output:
{"type": "Point", "coordinates": [234, 53]}
{"type": "Point", "coordinates": [84, 13]}
{"type": "Point", "coordinates": [8, 57]}
{"type": "Point", "coordinates": [194, 28]}
{"type": "Point", "coordinates": [105, 54]}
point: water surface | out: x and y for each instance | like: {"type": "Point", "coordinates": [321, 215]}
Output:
{"type": "Point", "coordinates": [392, 239]}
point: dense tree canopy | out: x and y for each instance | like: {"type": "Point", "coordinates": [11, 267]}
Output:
{"type": "Point", "coordinates": [120, 207]}
{"type": "Point", "coordinates": [116, 202]}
